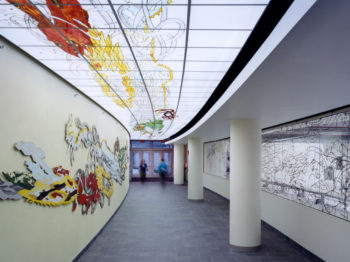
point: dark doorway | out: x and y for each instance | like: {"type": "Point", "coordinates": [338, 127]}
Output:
{"type": "Point", "coordinates": [152, 152]}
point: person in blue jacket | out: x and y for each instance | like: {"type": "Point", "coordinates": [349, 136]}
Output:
{"type": "Point", "coordinates": [162, 170]}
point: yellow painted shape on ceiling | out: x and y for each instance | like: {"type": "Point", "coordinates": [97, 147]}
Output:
{"type": "Point", "coordinates": [170, 78]}
{"type": "Point", "coordinates": [104, 55]}
{"type": "Point", "coordinates": [109, 93]}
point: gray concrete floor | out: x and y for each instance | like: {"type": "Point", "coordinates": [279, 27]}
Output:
{"type": "Point", "coordinates": [157, 223]}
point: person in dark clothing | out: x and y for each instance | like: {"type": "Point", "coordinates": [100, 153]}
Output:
{"type": "Point", "coordinates": [143, 169]}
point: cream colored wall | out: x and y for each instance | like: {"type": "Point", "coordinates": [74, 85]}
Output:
{"type": "Point", "coordinates": [217, 184]}
{"type": "Point", "coordinates": [34, 106]}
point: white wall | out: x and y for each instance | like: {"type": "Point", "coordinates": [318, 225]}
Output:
{"type": "Point", "coordinates": [324, 235]}
{"type": "Point", "coordinates": [217, 184]}
{"type": "Point", "coordinates": [306, 74]}
{"type": "Point", "coordinates": [34, 106]}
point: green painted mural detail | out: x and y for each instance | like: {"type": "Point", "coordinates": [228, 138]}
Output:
{"type": "Point", "coordinates": [123, 160]}
{"type": "Point", "coordinates": [24, 180]}
{"type": "Point", "coordinates": [150, 126]}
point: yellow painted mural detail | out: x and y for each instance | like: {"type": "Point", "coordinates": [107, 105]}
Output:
{"type": "Point", "coordinates": [108, 92]}
{"type": "Point", "coordinates": [104, 55]}
{"type": "Point", "coordinates": [145, 29]}
{"type": "Point", "coordinates": [156, 13]}
{"type": "Point", "coordinates": [55, 194]}
{"type": "Point", "coordinates": [164, 66]}
{"type": "Point", "coordinates": [101, 174]}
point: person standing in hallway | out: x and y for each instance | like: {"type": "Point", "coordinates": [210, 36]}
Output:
{"type": "Point", "coordinates": [143, 169]}
{"type": "Point", "coordinates": [162, 170]}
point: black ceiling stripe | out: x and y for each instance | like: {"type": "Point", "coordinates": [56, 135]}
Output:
{"type": "Point", "coordinates": [267, 22]}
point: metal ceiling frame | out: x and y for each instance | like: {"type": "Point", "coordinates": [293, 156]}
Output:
{"type": "Point", "coordinates": [135, 60]}
{"type": "Point", "coordinates": [78, 52]}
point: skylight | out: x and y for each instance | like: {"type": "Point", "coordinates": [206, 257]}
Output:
{"type": "Point", "coordinates": [153, 64]}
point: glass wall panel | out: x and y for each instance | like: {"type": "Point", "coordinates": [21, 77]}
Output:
{"type": "Point", "coordinates": [156, 160]}
{"type": "Point", "coordinates": [135, 163]}
{"type": "Point", "coordinates": [159, 144]}
{"type": "Point", "coordinates": [308, 162]}
{"type": "Point", "coordinates": [139, 144]}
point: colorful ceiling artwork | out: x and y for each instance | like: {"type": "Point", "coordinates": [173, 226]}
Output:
{"type": "Point", "coordinates": [152, 64]}
{"type": "Point", "coordinates": [43, 185]}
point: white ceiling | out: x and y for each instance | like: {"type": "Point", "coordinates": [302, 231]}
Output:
{"type": "Point", "coordinates": [308, 73]}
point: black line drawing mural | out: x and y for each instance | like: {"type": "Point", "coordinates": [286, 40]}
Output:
{"type": "Point", "coordinates": [217, 158]}
{"type": "Point", "coordinates": [309, 162]}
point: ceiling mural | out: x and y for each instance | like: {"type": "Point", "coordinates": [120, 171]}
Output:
{"type": "Point", "coordinates": [151, 63]}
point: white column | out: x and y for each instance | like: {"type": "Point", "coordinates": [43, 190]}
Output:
{"type": "Point", "coordinates": [179, 164]}
{"type": "Point", "coordinates": [245, 224]}
{"type": "Point", "coordinates": [195, 169]}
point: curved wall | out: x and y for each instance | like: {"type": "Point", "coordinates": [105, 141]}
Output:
{"type": "Point", "coordinates": [35, 106]}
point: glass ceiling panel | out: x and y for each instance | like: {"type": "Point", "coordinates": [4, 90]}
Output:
{"type": "Point", "coordinates": [218, 39]}
{"type": "Point", "coordinates": [216, 54]}
{"type": "Point", "coordinates": [230, 2]}
{"type": "Point", "coordinates": [141, 62]}
{"type": "Point", "coordinates": [152, 18]}
{"type": "Point", "coordinates": [205, 66]}
{"type": "Point", "coordinates": [225, 17]}
{"type": "Point", "coordinates": [150, 3]}
{"type": "Point", "coordinates": [204, 75]}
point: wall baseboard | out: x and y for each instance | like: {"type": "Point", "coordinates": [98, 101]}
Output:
{"type": "Point", "coordinates": [302, 250]}
{"type": "Point", "coordinates": [99, 232]}
{"type": "Point", "coordinates": [152, 179]}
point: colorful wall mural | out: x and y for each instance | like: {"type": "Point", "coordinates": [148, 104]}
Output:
{"type": "Point", "coordinates": [217, 158]}
{"type": "Point", "coordinates": [42, 185]}
{"type": "Point", "coordinates": [95, 180]}
{"type": "Point", "coordinates": [91, 185]}
{"type": "Point", "coordinates": [309, 162]}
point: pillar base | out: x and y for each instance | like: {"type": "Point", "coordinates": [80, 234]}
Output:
{"type": "Point", "coordinates": [246, 249]}
{"type": "Point", "coordinates": [196, 200]}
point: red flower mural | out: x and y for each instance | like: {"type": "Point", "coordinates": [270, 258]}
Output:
{"type": "Point", "coordinates": [88, 193]}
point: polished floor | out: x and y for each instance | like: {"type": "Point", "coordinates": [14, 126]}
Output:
{"type": "Point", "coordinates": [157, 223]}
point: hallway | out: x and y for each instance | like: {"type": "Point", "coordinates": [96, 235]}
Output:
{"type": "Point", "coordinates": [158, 223]}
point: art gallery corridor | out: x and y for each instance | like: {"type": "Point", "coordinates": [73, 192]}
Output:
{"type": "Point", "coordinates": [158, 223]}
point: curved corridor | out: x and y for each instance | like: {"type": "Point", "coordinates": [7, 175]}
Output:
{"type": "Point", "coordinates": [157, 223]}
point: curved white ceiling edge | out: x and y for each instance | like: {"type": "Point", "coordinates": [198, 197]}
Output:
{"type": "Point", "coordinates": [296, 11]}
